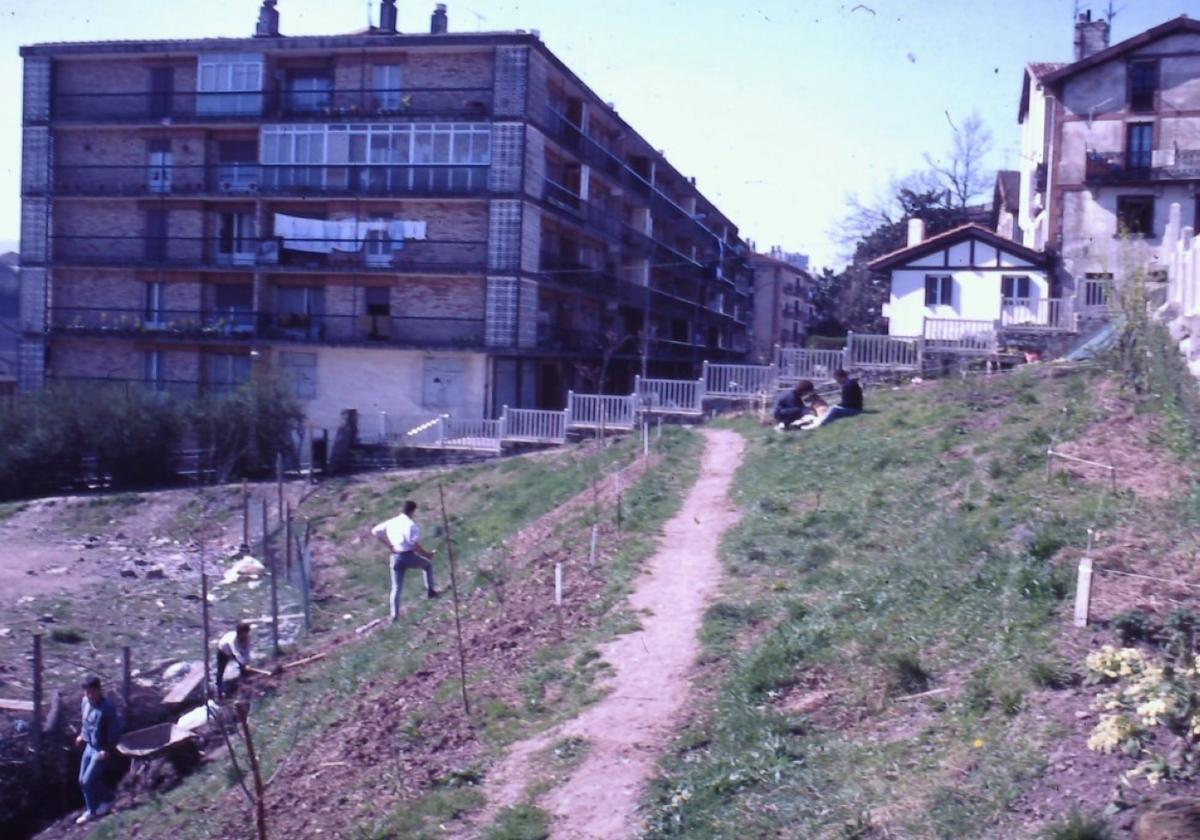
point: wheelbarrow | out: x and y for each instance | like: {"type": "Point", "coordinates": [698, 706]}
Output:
{"type": "Point", "coordinates": [159, 741]}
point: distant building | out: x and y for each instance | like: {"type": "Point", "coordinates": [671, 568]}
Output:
{"type": "Point", "coordinates": [1109, 142]}
{"type": "Point", "coordinates": [411, 223]}
{"type": "Point", "coordinates": [782, 303]}
{"type": "Point", "coordinates": [9, 324]}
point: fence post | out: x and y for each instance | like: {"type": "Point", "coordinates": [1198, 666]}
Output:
{"type": "Point", "coordinates": [126, 678]}
{"type": "Point", "coordinates": [287, 539]}
{"type": "Point", "coordinates": [1083, 592]}
{"type": "Point", "coordinates": [921, 352]}
{"type": "Point", "coordinates": [567, 413]}
{"type": "Point", "coordinates": [305, 585]}
{"type": "Point", "coordinates": [245, 518]}
{"type": "Point", "coordinates": [269, 561]}
{"type": "Point", "coordinates": [848, 351]}
{"type": "Point", "coordinates": [441, 426]}
{"type": "Point", "coordinates": [36, 730]}
{"type": "Point", "coordinates": [704, 375]}
{"type": "Point", "coordinates": [503, 422]}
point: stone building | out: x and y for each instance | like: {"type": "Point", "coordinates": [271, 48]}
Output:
{"type": "Point", "coordinates": [397, 222]}
{"type": "Point", "coordinates": [782, 303]}
{"type": "Point", "coordinates": [1109, 142]}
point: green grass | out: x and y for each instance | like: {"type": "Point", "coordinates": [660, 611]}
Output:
{"type": "Point", "coordinates": [524, 822]}
{"type": "Point", "coordinates": [907, 550]}
{"type": "Point", "coordinates": [486, 504]}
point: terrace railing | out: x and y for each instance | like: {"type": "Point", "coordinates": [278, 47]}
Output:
{"type": "Point", "coordinates": [594, 411]}
{"type": "Point", "coordinates": [961, 335]}
{"type": "Point", "coordinates": [670, 396]}
{"type": "Point", "coordinates": [889, 352]}
{"type": "Point", "coordinates": [1042, 314]}
{"type": "Point", "coordinates": [531, 425]}
{"type": "Point", "coordinates": [356, 104]}
{"type": "Point", "coordinates": [393, 330]}
{"type": "Point", "coordinates": [796, 363]}
{"type": "Point", "coordinates": [251, 178]}
{"type": "Point", "coordinates": [739, 381]}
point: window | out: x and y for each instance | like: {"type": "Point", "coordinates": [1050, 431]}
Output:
{"type": "Point", "coordinates": [1135, 215]}
{"type": "Point", "coordinates": [235, 243]}
{"type": "Point", "coordinates": [379, 241]}
{"type": "Point", "coordinates": [233, 304]}
{"type": "Point", "coordinates": [939, 290]}
{"type": "Point", "coordinates": [308, 94]}
{"type": "Point", "coordinates": [1014, 287]}
{"type": "Point", "coordinates": [226, 371]}
{"type": "Point", "coordinates": [156, 235]}
{"type": "Point", "coordinates": [162, 84]}
{"type": "Point", "coordinates": [238, 169]}
{"type": "Point", "coordinates": [301, 300]}
{"type": "Point", "coordinates": [158, 156]}
{"type": "Point", "coordinates": [1143, 85]}
{"type": "Point", "coordinates": [229, 83]}
{"type": "Point", "coordinates": [1139, 141]}
{"type": "Point", "coordinates": [386, 86]}
{"type": "Point", "coordinates": [154, 304]}
{"type": "Point", "coordinates": [299, 371]}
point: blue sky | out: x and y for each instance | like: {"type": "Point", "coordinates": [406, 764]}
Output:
{"type": "Point", "coordinates": [778, 109]}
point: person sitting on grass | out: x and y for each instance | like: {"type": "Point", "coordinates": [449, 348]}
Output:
{"type": "Point", "coordinates": [852, 397]}
{"type": "Point", "coordinates": [791, 406]}
{"type": "Point", "coordinates": [818, 411]}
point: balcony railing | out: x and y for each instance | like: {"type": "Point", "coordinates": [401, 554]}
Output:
{"type": "Point", "coordinates": [326, 255]}
{"type": "Point", "coordinates": [141, 106]}
{"type": "Point", "coordinates": [1159, 165]}
{"type": "Point", "coordinates": [1042, 314]}
{"type": "Point", "coordinates": [234, 325]}
{"type": "Point", "coordinates": [238, 179]}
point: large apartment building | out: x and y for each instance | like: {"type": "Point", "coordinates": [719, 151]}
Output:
{"type": "Point", "coordinates": [388, 221]}
{"type": "Point", "coordinates": [1109, 141]}
{"type": "Point", "coordinates": [783, 306]}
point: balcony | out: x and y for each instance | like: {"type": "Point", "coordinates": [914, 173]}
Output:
{"type": "Point", "coordinates": [245, 325]}
{"type": "Point", "coordinates": [1159, 165]}
{"type": "Point", "coordinates": [192, 106]}
{"type": "Point", "coordinates": [272, 254]}
{"type": "Point", "coordinates": [248, 179]}
{"type": "Point", "coordinates": [559, 127]}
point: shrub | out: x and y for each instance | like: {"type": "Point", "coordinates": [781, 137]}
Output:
{"type": "Point", "coordinates": [1076, 826]}
{"type": "Point", "coordinates": [1132, 626]}
{"type": "Point", "coordinates": [907, 675]}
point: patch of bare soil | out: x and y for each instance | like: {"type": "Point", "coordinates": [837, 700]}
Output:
{"type": "Point", "coordinates": [1124, 439]}
{"type": "Point", "coordinates": [631, 726]}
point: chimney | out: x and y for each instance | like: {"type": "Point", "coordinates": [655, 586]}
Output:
{"type": "Point", "coordinates": [268, 21]}
{"type": "Point", "coordinates": [916, 232]}
{"type": "Point", "coordinates": [439, 23]}
{"type": "Point", "coordinates": [1091, 36]}
{"type": "Point", "coordinates": [387, 16]}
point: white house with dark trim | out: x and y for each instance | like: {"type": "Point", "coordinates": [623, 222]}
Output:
{"type": "Point", "coordinates": [963, 286]}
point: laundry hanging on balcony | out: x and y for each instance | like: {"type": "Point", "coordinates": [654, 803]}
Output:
{"type": "Point", "coordinates": [320, 236]}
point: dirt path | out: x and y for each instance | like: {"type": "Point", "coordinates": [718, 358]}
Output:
{"type": "Point", "coordinates": [628, 730]}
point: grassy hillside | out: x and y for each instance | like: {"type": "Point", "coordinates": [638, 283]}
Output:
{"type": "Point", "coordinates": [372, 742]}
{"type": "Point", "coordinates": [898, 621]}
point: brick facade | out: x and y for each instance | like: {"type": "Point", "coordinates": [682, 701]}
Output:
{"type": "Point", "coordinates": [140, 197]}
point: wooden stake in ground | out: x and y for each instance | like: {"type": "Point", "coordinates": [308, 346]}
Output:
{"type": "Point", "coordinates": [287, 538]}
{"type": "Point", "coordinates": [35, 732]}
{"type": "Point", "coordinates": [279, 481]}
{"type": "Point", "coordinates": [269, 561]}
{"type": "Point", "coordinates": [592, 548]}
{"type": "Point", "coordinates": [558, 596]}
{"type": "Point", "coordinates": [245, 518]}
{"type": "Point", "coordinates": [204, 614]}
{"type": "Point", "coordinates": [126, 678]}
{"type": "Point", "coordinates": [260, 808]}
{"type": "Point", "coordinates": [462, 653]}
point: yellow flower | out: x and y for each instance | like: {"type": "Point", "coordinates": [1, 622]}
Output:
{"type": "Point", "coordinates": [978, 743]}
{"type": "Point", "coordinates": [1110, 733]}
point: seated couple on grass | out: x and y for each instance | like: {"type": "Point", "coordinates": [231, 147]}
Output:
{"type": "Point", "coordinates": [804, 408]}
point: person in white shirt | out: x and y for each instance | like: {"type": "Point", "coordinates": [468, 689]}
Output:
{"type": "Point", "coordinates": [402, 536]}
{"type": "Point", "coordinates": [234, 646]}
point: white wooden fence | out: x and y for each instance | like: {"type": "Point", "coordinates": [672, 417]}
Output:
{"type": "Point", "coordinates": [472, 433]}
{"type": "Point", "coordinates": [1041, 314]}
{"type": "Point", "coordinates": [890, 352]}
{"type": "Point", "coordinates": [796, 363]}
{"type": "Point", "coordinates": [532, 425]}
{"type": "Point", "coordinates": [960, 335]}
{"type": "Point", "coordinates": [739, 381]}
{"type": "Point", "coordinates": [593, 411]}
{"type": "Point", "coordinates": [670, 396]}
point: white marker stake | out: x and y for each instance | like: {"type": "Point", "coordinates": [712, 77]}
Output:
{"type": "Point", "coordinates": [558, 584]}
{"type": "Point", "coordinates": [1083, 592]}
{"type": "Point", "coordinates": [646, 439]}
{"type": "Point", "coordinates": [592, 550]}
